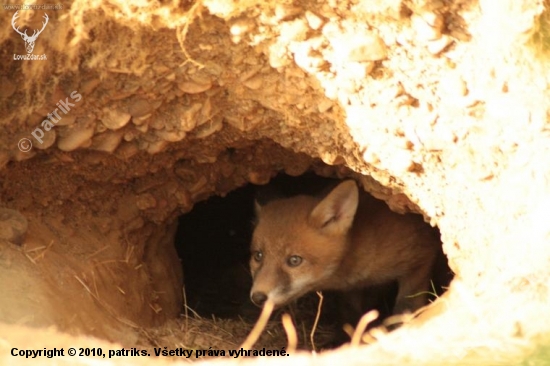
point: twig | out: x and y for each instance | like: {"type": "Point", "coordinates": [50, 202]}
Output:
{"type": "Point", "coordinates": [362, 325]}
{"type": "Point", "coordinates": [259, 326]}
{"type": "Point", "coordinates": [290, 331]}
{"type": "Point", "coordinates": [317, 316]}
{"type": "Point", "coordinates": [185, 308]}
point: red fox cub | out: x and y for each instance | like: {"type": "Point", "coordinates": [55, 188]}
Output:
{"type": "Point", "coordinates": [344, 241]}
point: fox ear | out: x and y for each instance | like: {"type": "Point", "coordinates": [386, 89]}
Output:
{"type": "Point", "coordinates": [257, 208]}
{"type": "Point", "coordinates": [336, 211]}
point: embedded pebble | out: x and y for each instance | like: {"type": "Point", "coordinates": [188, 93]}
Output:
{"type": "Point", "coordinates": [324, 105]}
{"type": "Point", "coordinates": [115, 119]}
{"type": "Point", "coordinates": [285, 12]}
{"type": "Point", "coordinates": [107, 142]}
{"type": "Point", "coordinates": [191, 87]}
{"type": "Point", "coordinates": [131, 135]}
{"type": "Point", "coordinates": [47, 140]}
{"type": "Point", "coordinates": [160, 68]}
{"type": "Point", "coordinates": [278, 55]}
{"type": "Point", "coordinates": [368, 47]}
{"type": "Point", "coordinates": [138, 121]}
{"type": "Point", "coordinates": [146, 201]}
{"type": "Point", "coordinates": [295, 30]}
{"type": "Point", "coordinates": [142, 128]}
{"type": "Point", "coordinates": [356, 70]}
{"type": "Point", "coordinates": [331, 158]}
{"type": "Point", "coordinates": [250, 73]}
{"type": "Point", "coordinates": [460, 35]}
{"type": "Point", "coordinates": [314, 21]}
{"type": "Point", "coordinates": [254, 83]}
{"type": "Point", "coordinates": [437, 46]}
{"type": "Point", "coordinates": [133, 225]}
{"type": "Point", "coordinates": [183, 198]}
{"type": "Point", "coordinates": [126, 150]}
{"type": "Point", "coordinates": [259, 178]}
{"type": "Point", "coordinates": [425, 31]}
{"type": "Point", "coordinates": [210, 127]}
{"type": "Point", "coordinates": [156, 147]}
{"type": "Point", "coordinates": [189, 117]}
{"type": "Point", "coordinates": [199, 185]}
{"type": "Point", "coordinates": [66, 120]}
{"type": "Point", "coordinates": [75, 138]}
{"type": "Point", "coordinates": [156, 123]}
{"type": "Point", "coordinates": [298, 168]}
{"type": "Point", "coordinates": [432, 19]}
{"type": "Point", "coordinates": [88, 86]}
{"type": "Point", "coordinates": [139, 108]}
{"type": "Point", "coordinates": [13, 226]}
{"type": "Point", "coordinates": [171, 136]}
{"type": "Point", "coordinates": [206, 112]}
{"type": "Point", "coordinates": [240, 28]}
{"type": "Point", "coordinates": [18, 155]}
{"type": "Point", "coordinates": [185, 173]}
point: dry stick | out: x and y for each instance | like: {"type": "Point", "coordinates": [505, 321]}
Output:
{"type": "Point", "coordinates": [373, 335]}
{"type": "Point", "coordinates": [290, 331]}
{"type": "Point", "coordinates": [185, 308]}
{"type": "Point", "coordinates": [369, 338]}
{"type": "Point", "coordinates": [41, 255]}
{"type": "Point", "coordinates": [35, 249]}
{"type": "Point", "coordinates": [398, 319]}
{"type": "Point", "coordinates": [30, 258]}
{"type": "Point", "coordinates": [317, 316]}
{"type": "Point", "coordinates": [95, 284]}
{"type": "Point", "coordinates": [180, 36]}
{"type": "Point", "coordinates": [362, 325]}
{"type": "Point", "coordinates": [348, 329]}
{"type": "Point", "coordinates": [107, 308]}
{"type": "Point", "coordinates": [38, 256]}
{"type": "Point", "coordinates": [259, 326]}
{"type": "Point", "coordinates": [98, 251]}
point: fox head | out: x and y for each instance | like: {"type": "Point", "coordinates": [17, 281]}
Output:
{"type": "Point", "coordinates": [298, 243]}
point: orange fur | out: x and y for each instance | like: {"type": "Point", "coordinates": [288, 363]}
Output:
{"type": "Point", "coordinates": [344, 241]}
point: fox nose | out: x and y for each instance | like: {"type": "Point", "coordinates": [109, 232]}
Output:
{"type": "Point", "coordinates": [258, 298]}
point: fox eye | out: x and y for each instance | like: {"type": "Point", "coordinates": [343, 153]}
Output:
{"type": "Point", "coordinates": [258, 256]}
{"type": "Point", "coordinates": [294, 260]}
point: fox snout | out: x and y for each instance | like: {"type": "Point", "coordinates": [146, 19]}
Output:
{"type": "Point", "coordinates": [279, 282]}
{"type": "Point", "coordinates": [270, 283]}
{"type": "Point", "coordinates": [258, 298]}
{"type": "Point", "coordinates": [281, 293]}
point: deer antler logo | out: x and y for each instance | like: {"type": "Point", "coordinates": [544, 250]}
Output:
{"type": "Point", "coordinates": [29, 41]}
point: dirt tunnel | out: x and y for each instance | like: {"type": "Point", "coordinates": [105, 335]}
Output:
{"type": "Point", "coordinates": [126, 117]}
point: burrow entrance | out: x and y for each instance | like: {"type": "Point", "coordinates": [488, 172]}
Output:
{"type": "Point", "coordinates": [113, 248]}
{"type": "Point", "coordinates": [213, 244]}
